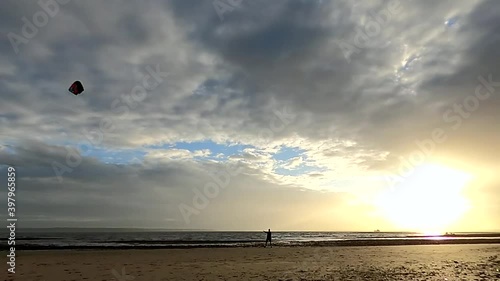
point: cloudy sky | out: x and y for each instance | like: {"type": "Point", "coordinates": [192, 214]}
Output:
{"type": "Point", "coordinates": [248, 115]}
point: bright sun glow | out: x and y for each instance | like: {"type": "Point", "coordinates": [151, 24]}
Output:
{"type": "Point", "coordinates": [428, 201]}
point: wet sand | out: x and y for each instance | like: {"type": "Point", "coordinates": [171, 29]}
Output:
{"type": "Point", "coordinates": [374, 263]}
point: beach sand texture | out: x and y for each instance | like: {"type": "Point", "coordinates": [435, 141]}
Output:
{"type": "Point", "coordinates": [425, 262]}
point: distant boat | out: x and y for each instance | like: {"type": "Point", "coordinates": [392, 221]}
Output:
{"type": "Point", "coordinates": [378, 230]}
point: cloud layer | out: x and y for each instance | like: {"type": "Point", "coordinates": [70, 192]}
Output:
{"type": "Point", "coordinates": [317, 102]}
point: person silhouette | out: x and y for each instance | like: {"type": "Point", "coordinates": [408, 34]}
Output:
{"type": "Point", "coordinates": [268, 238]}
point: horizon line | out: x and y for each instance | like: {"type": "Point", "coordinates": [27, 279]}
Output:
{"type": "Point", "coordinates": [253, 230]}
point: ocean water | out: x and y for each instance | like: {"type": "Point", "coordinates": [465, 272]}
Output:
{"type": "Point", "coordinates": [57, 239]}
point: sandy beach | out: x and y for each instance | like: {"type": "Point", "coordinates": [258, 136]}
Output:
{"type": "Point", "coordinates": [423, 262]}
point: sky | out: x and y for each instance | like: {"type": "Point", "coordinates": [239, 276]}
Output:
{"type": "Point", "coordinates": [247, 115]}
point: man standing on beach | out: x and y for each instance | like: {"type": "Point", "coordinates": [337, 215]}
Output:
{"type": "Point", "coordinates": [268, 239]}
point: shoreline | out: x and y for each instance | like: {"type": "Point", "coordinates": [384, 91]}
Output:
{"type": "Point", "coordinates": [155, 245]}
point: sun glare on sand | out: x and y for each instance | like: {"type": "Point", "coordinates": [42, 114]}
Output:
{"type": "Point", "coordinates": [428, 201]}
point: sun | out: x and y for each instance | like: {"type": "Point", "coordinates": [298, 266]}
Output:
{"type": "Point", "coordinates": [428, 201]}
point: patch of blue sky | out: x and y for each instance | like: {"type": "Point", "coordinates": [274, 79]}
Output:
{"type": "Point", "coordinates": [286, 153]}
{"type": "Point", "coordinates": [302, 169]}
{"type": "Point", "coordinates": [217, 151]}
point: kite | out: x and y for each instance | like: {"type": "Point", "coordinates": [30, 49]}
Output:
{"type": "Point", "coordinates": [76, 88]}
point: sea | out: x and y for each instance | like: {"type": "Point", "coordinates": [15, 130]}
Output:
{"type": "Point", "coordinates": [39, 239]}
